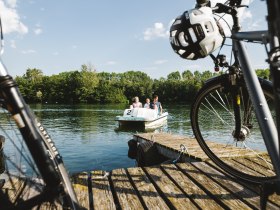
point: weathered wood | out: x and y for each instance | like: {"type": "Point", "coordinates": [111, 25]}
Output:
{"type": "Point", "coordinates": [166, 142]}
{"type": "Point", "coordinates": [241, 191]}
{"type": "Point", "coordinates": [101, 191]}
{"type": "Point", "coordinates": [146, 189]}
{"type": "Point", "coordinates": [126, 194]}
{"type": "Point", "coordinates": [243, 168]}
{"type": "Point", "coordinates": [21, 189]}
{"type": "Point", "coordinates": [80, 184]}
{"type": "Point", "coordinates": [172, 194]}
{"type": "Point", "coordinates": [262, 166]}
{"type": "Point", "coordinates": [193, 191]}
{"type": "Point", "coordinates": [216, 190]}
{"type": "Point", "coordinates": [12, 188]}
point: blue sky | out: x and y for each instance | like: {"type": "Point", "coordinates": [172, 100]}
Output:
{"type": "Point", "coordinates": [111, 36]}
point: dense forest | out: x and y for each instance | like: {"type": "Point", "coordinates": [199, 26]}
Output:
{"type": "Point", "coordinates": [89, 86]}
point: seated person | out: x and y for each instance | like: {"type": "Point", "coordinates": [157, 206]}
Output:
{"type": "Point", "coordinates": [136, 103]}
{"type": "Point", "coordinates": [147, 104]}
{"type": "Point", "coordinates": [156, 105]}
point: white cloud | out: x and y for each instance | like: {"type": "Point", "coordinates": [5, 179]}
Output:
{"type": "Point", "coordinates": [38, 31]}
{"type": "Point", "coordinates": [255, 25]}
{"type": "Point", "coordinates": [55, 53]}
{"type": "Point", "coordinates": [10, 18]}
{"type": "Point", "coordinates": [158, 31]}
{"type": "Point", "coordinates": [28, 51]}
{"type": "Point", "coordinates": [159, 62]}
{"type": "Point", "coordinates": [12, 3]}
{"type": "Point", "coordinates": [245, 15]}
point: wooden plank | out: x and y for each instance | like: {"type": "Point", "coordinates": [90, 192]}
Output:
{"type": "Point", "coordinates": [241, 191]}
{"type": "Point", "coordinates": [275, 199]}
{"type": "Point", "coordinates": [172, 194]}
{"type": "Point", "coordinates": [12, 188]}
{"type": "Point", "coordinates": [101, 191]}
{"type": "Point", "coordinates": [172, 144]}
{"type": "Point", "coordinates": [194, 151]}
{"type": "Point", "coordinates": [21, 189]}
{"type": "Point", "coordinates": [262, 169]}
{"type": "Point", "coordinates": [199, 196]}
{"type": "Point", "coordinates": [242, 168]}
{"type": "Point", "coordinates": [146, 189]}
{"type": "Point", "coordinates": [217, 191]}
{"type": "Point", "coordinates": [80, 184]}
{"type": "Point", "coordinates": [124, 190]}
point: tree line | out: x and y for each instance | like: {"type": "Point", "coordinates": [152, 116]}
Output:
{"type": "Point", "coordinates": [86, 85]}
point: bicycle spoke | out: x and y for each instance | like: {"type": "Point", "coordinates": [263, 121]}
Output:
{"type": "Point", "coordinates": [213, 122]}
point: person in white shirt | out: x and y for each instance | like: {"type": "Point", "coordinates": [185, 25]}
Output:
{"type": "Point", "coordinates": [147, 104]}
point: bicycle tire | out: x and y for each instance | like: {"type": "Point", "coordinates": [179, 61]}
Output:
{"type": "Point", "coordinates": [34, 173]}
{"type": "Point", "coordinates": [212, 120]}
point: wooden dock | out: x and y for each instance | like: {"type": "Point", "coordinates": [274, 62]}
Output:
{"type": "Point", "coordinates": [194, 184]}
{"type": "Point", "coordinates": [169, 145]}
{"type": "Point", "coordinates": [197, 185]}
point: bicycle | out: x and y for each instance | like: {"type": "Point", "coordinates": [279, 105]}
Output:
{"type": "Point", "coordinates": [234, 115]}
{"type": "Point", "coordinates": [34, 175]}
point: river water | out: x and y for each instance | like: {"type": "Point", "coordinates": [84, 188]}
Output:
{"type": "Point", "coordinates": [88, 137]}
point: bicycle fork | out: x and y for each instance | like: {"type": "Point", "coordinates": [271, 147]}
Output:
{"type": "Point", "coordinates": [242, 126]}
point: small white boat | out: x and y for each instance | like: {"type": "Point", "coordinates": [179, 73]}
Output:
{"type": "Point", "coordinates": [148, 118]}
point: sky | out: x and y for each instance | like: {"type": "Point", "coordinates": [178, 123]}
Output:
{"type": "Point", "coordinates": [109, 35]}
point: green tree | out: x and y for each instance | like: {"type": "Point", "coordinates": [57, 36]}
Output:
{"type": "Point", "coordinates": [174, 76]}
{"type": "Point", "coordinates": [187, 75]}
{"type": "Point", "coordinates": [89, 83]}
{"type": "Point", "coordinates": [30, 84]}
{"type": "Point", "coordinates": [263, 73]}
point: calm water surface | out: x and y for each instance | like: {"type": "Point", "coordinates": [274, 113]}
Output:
{"type": "Point", "coordinates": [88, 137]}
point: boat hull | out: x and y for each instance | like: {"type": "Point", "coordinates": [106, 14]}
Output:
{"type": "Point", "coordinates": [143, 118]}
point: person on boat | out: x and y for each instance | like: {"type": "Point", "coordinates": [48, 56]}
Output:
{"type": "Point", "coordinates": [156, 104]}
{"type": "Point", "coordinates": [147, 104]}
{"type": "Point", "coordinates": [136, 103]}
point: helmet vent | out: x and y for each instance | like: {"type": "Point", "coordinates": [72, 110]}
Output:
{"type": "Point", "coordinates": [183, 39]}
{"type": "Point", "coordinates": [181, 52]}
{"type": "Point", "coordinates": [197, 12]}
{"type": "Point", "coordinates": [177, 22]}
{"type": "Point", "coordinates": [173, 33]}
{"type": "Point", "coordinates": [209, 27]}
{"type": "Point", "coordinates": [191, 56]}
{"type": "Point", "coordinates": [192, 34]}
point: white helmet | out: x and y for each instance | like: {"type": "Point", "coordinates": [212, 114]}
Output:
{"type": "Point", "coordinates": [196, 34]}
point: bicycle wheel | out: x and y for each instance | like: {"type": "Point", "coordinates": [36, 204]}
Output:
{"type": "Point", "coordinates": [213, 124]}
{"type": "Point", "coordinates": [32, 171]}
